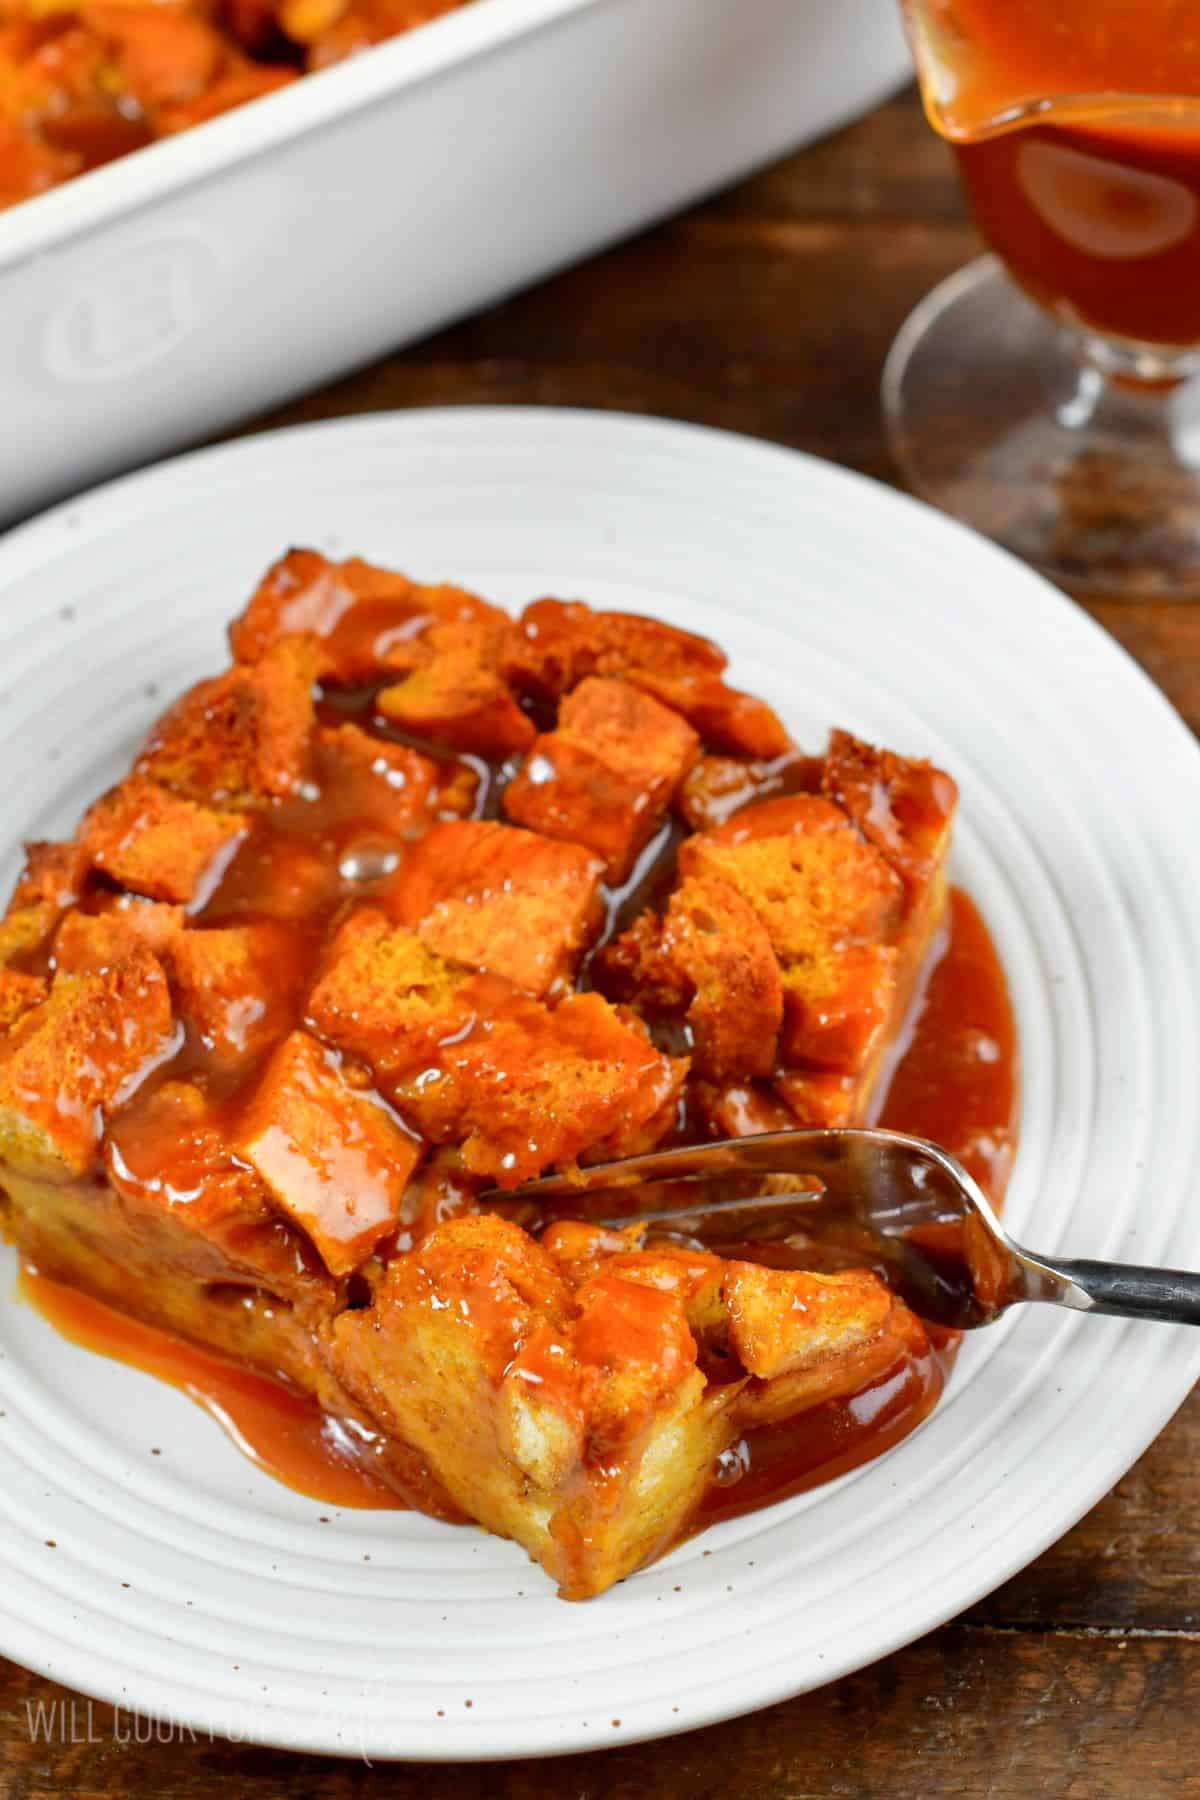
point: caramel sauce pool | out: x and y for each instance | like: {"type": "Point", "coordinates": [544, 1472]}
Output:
{"type": "Point", "coordinates": [955, 1083]}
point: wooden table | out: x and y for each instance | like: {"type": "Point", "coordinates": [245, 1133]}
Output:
{"type": "Point", "coordinates": [769, 310]}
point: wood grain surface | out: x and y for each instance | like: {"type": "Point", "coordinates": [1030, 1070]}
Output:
{"type": "Point", "coordinates": [769, 310]}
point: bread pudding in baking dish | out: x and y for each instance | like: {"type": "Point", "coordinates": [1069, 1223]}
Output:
{"type": "Point", "coordinates": [83, 82]}
{"type": "Point", "coordinates": [416, 901]}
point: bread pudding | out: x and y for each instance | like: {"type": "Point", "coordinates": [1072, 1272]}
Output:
{"type": "Point", "coordinates": [83, 82]}
{"type": "Point", "coordinates": [417, 901]}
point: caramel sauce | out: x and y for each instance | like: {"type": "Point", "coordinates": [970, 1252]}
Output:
{"type": "Point", "coordinates": [956, 1083]}
{"type": "Point", "coordinates": [1094, 203]}
{"type": "Point", "coordinates": [282, 1431]}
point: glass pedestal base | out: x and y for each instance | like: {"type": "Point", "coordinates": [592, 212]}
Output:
{"type": "Point", "coordinates": [1082, 457]}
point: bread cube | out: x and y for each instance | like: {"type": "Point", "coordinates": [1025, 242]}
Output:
{"type": "Point", "coordinates": [332, 1154]}
{"type": "Point", "coordinates": [54, 874]}
{"type": "Point", "coordinates": [711, 955]}
{"type": "Point", "coordinates": [236, 987]}
{"type": "Point", "coordinates": [800, 1336]}
{"type": "Point", "coordinates": [243, 739]}
{"type": "Point", "coordinates": [52, 880]}
{"type": "Point", "coordinates": [377, 784]}
{"type": "Point", "coordinates": [528, 1088]}
{"type": "Point", "coordinates": [634, 969]}
{"type": "Point", "coordinates": [361, 620]}
{"type": "Point", "coordinates": [92, 942]}
{"type": "Point", "coordinates": [24, 929]}
{"type": "Point", "coordinates": [725, 718]}
{"type": "Point", "coordinates": [806, 872]}
{"type": "Point", "coordinates": [514, 1092]}
{"type": "Point", "coordinates": [555, 645]}
{"type": "Point", "coordinates": [494, 898]}
{"type": "Point", "coordinates": [606, 776]}
{"type": "Point", "coordinates": [837, 1008]}
{"type": "Point", "coordinates": [857, 1335]}
{"type": "Point", "coordinates": [719, 786]}
{"type": "Point", "coordinates": [386, 997]}
{"type": "Point", "coordinates": [737, 1006]}
{"type": "Point", "coordinates": [905, 808]}
{"type": "Point", "coordinates": [350, 609]}
{"type": "Point", "coordinates": [156, 843]}
{"type": "Point", "coordinates": [695, 1277]}
{"type": "Point", "coordinates": [19, 994]}
{"type": "Point", "coordinates": [194, 1205]}
{"type": "Point", "coordinates": [455, 694]}
{"type": "Point", "coordinates": [72, 1059]}
{"type": "Point", "coordinates": [781, 1320]}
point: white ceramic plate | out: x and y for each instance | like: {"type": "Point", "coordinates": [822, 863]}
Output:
{"type": "Point", "coordinates": [839, 601]}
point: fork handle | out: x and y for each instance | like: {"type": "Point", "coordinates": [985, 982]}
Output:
{"type": "Point", "coordinates": [1172, 1295]}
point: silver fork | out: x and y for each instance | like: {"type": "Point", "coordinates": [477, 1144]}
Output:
{"type": "Point", "coordinates": [874, 1197]}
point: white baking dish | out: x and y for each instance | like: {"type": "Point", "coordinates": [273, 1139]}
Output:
{"type": "Point", "coordinates": [203, 279]}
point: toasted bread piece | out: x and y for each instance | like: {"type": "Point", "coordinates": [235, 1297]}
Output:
{"type": "Point", "coordinates": [859, 1332]}
{"type": "Point", "coordinates": [805, 870]}
{"type": "Point", "coordinates": [54, 874]}
{"type": "Point", "coordinates": [711, 955]}
{"type": "Point", "coordinates": [773, 1322]}
{"type": "Point", "coordinates": [94, 941]}
{"type": "Point", "coordinates": [236, 987]}
{"type": "Point", "coordinates": [376, 783]}
{"type": "Point", "coordinates": [905, 808]}
{"type": "Point", "coordinates": [335, 1158]}
{"type": "Point", "coordinates": [52, 880]}
{"type": "Point", "coordinates": [361, 619]}
{"type": "Point", "coordinates": [606, 776]}
{"type": "Point", "coordinates": [199, 1207]}
{"type": "Point", "coordinates": [695, 1276]}
{"type": "Point", "coordinates": [385, 996]}
{"type": "Point", "coordinates": [158, 844]}
{"type": "Point", "coordinates": [781, 1320]}
{"type": "Point", "coordinates": [556, 644]}
{"type": "Point", "coordinates": [455, 693]}
{"type": "Point", "coordinates": [25, 929]}
{"type": "Point", "coordinates": [19, 994]}
{"type": "Point", "coordinates": [242, 740]}
{"type": "Point", "coordinates": [634, 968]}
{"type": "Point", "coordinates": [68, 1061]}
{"type": "Point", "coordinates": [501, 900]}
{"type": "Point", "coordinates": [837, 1008]}
{"type": "Point", "coordinates": [802, 1337]}
{"type": "Point", "coordinates": [719, 786]}
{"type": "Point", "coordinates": [777, 946]}
{"type": "Point", "coordinates": [737, 1005]}
{"type": "Point", "coordinates": [530, 1088]}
